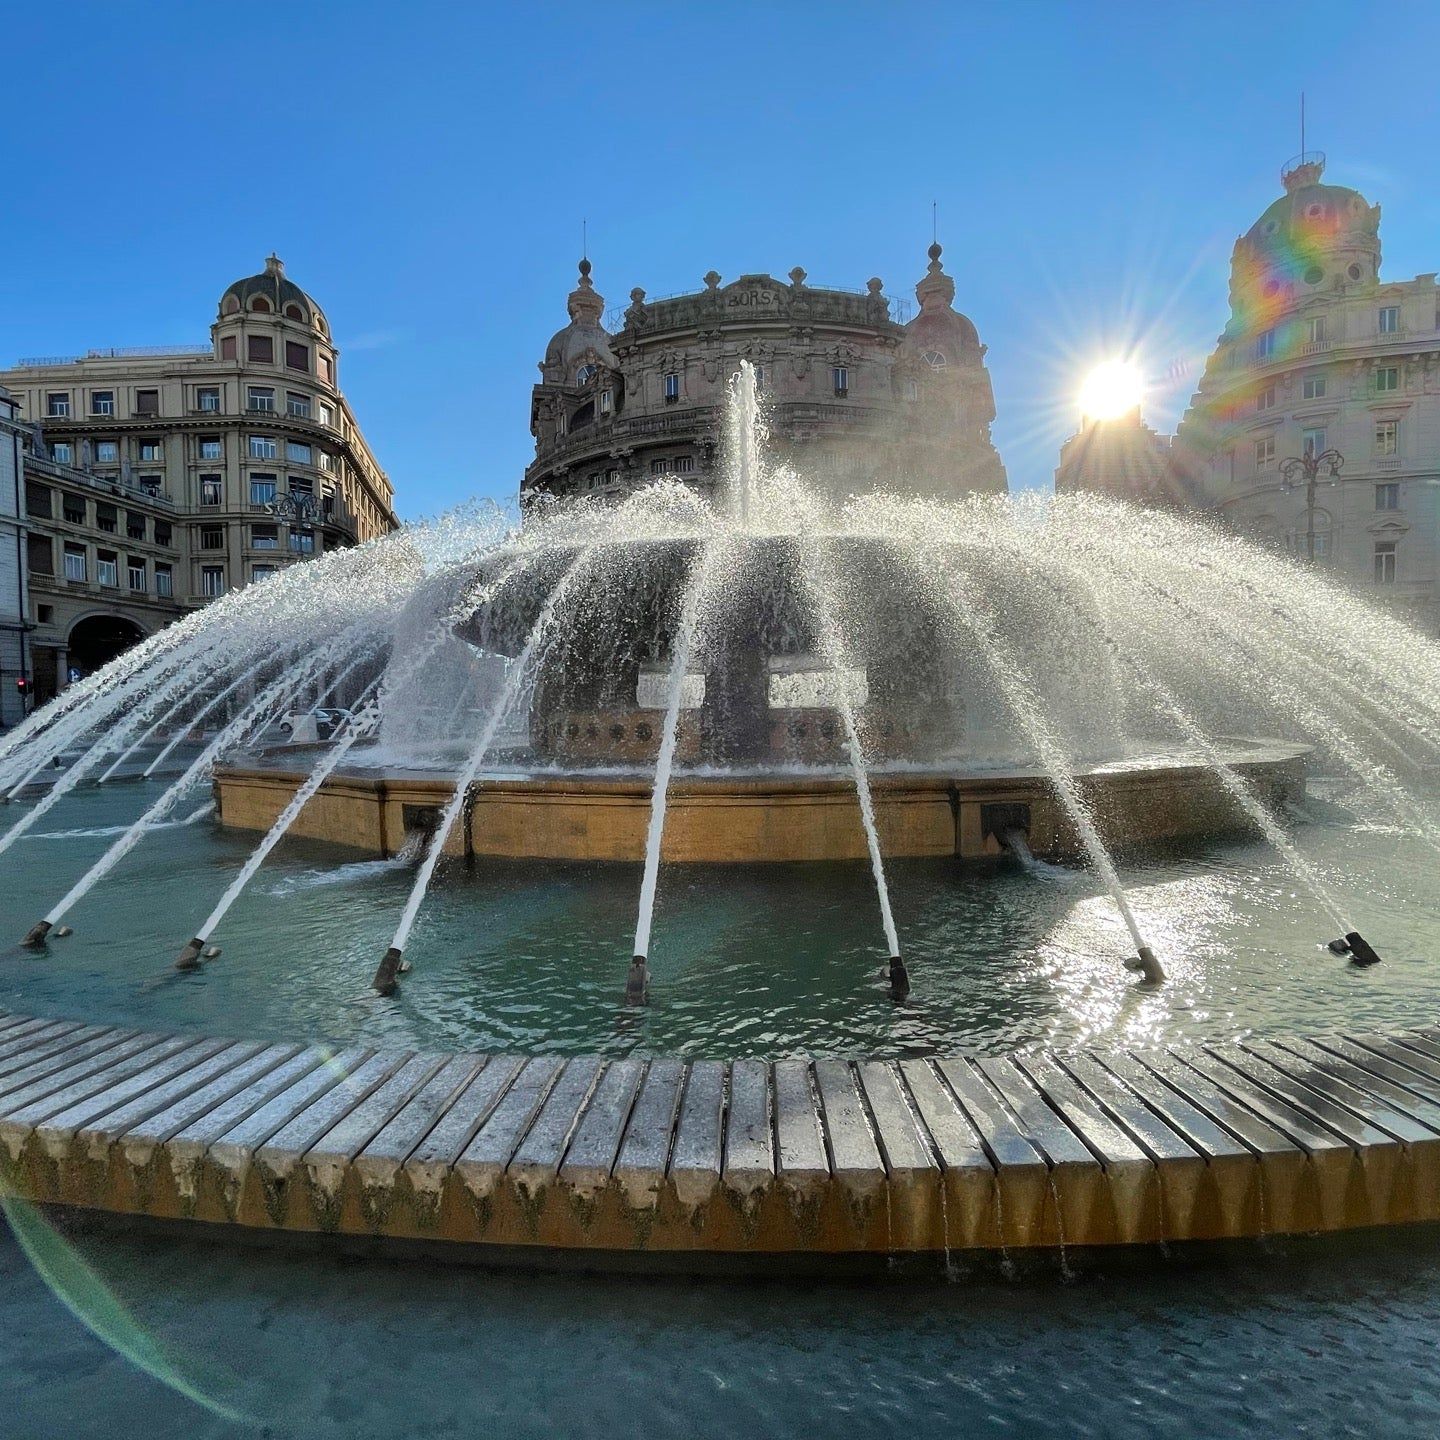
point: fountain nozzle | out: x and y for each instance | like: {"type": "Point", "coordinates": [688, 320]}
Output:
{"type": "Point", "coordinates": [36, 938]}
{"type": "Point", "coordinates": [1339, 947]}
{"type": "Point", "coordinates": [899, 979]}
{"type": "Point", "coordinates": [1361, 952]}
{"type": "Point", "coordinates": [189, 957]}
{"type": "Point", "coordinates": [387, 976]}
{"type": "Point", "coordinates": [637, 982]}
{"type": "Point", "coordinates": [1148, 965]}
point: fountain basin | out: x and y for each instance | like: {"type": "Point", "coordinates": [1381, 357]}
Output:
{"type": "Point", "coordinates": [686, 1161]}
{"type": "Point", "coordinates": [739, 818]}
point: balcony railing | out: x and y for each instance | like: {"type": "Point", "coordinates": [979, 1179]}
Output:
{"type": "Point", "coordinates": [118, 352]}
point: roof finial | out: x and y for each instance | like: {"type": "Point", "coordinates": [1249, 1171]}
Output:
{"type": "Point", "coordinates": [934, 221]}
{"type": "Point", "coordinates": [1302, 122]}
{"type": "Point", "coordinates": [274, 265]}
{"type": "Point", "coordinates": [584, 238]}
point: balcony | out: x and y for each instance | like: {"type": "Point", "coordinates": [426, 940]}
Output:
{"type": "Point", "coordinates": [1317, 347]}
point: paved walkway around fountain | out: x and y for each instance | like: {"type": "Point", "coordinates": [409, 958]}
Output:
{"type": "Point", "coordinates": [665, 1156]}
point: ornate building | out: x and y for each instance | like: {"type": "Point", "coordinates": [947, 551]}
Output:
{"type": "Point", "coordinates": [1120, 457]}
{"type": "Point", "coordinates": [854, 398]}
{"type": "Point", "coordinates": [14, 666]}
{"type": "Point", "coordinates": [159, 479]}
{"type": "Point", "coordinates": [1321, 354]}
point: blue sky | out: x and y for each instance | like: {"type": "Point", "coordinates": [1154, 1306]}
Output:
{"type": "Point", "coordinates": [423, 170]}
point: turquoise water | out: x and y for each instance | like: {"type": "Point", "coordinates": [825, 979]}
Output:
{"type": "Point", "coordinates": [1316, 1340]}
{"type": "Point", "coordinates": [765, 961]}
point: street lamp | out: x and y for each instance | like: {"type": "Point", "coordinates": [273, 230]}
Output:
{"type": "Point", "coordinates": [1309, 465]}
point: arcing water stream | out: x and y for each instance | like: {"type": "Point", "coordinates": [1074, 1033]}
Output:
{"type": "Point", "coordinates": [961, 636]}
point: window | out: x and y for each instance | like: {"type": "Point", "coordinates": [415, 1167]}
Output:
{"type": "Point", "coordinates": [164, 580]}
{"type": "Point", "coordinates": [1265, 451]}
{"type": "Point", "coordinates": [107, 452]}
{"type": "Point", "coordinates": [327, 415]}
{"type": "Point", "coordinates": [260, 397]}
{"type": "Point", "coordinates": [57, 405]}
{"type": "Point", "coordinates": [212, 581]}
{"type": "Point", "coordinates": [935, 359]}
{"type": "Point", "coordinates": [297, 405]}
{"type": "Point", "coordinates": [152, 451]}
{"type": "Point", "coordinates": [134, 525]}
{"type": "Point", "coordinates": [1312, 387]}
{"type": "Point", "coordinates": [211, 489]}
{"type": "Point", "coordinates": [262, 489]}
{"type": "Point", "coordinates": [150, 484]}
{"type": "Point", "coordinates": [327, 368]}
{"type": "Point", "coordinates": [1387, 440]}
{"type": "Point", "coordinates": [1265, 400]}
{"type": "Point", "coordinates": [1264, 344]}
{"type": "Point", "coordinates": [107, 517]}
{"type": "Point", "coordinates": [326, 459]}
{"type": "Point", "coordinates": [207, 398]}
{"type": "Point", "coordinates": [684, 464]}
{"type": "Point", "coordinates": [1322, 544]}
{"type": "Point", "coordinates": [264, 537]}
{"type": "Point", "coordinates": [659, 467]}
{"type": "Point", "coordinates": [102, 402]}
{"type": "Point", "coordinates": [212, 537]}
{"type": "Point", "coordinates": [227, 347]}
{"type": "Point", "coordinates": [586, 373]}
{"type": "Point", "coordinates": [62, 453]}
{"type": "Point", "coordinates": [1387, 496]}
{"type": "Point", "coordinates": [107, 568]}
{"type": "Point", "coordinates": [302, 542]}
{"type": "Point", "coordinates": [147, 402]}
{"type": "Point", "coordinates": [40, 555]}
{"type": "Point", "coordinates": [1387, 377]}
{"type": "Point", "coordinates": [75, 562]}
{"type": "Point", "coordinates": [1389, 319]}
{"type": "Point", "coordinates": [37, 501]}
{"type": "Point", "coordinates": [263, 447]}
{"type": "Point", "coordinates": [297, 453]}
{"type": "Point", "coordinates": [211, 448]}
{"type": "Point", "coordinates": [672, 386]}
{"type": "Point", "coordinates": [162, 533]}
{"type": "Point", "coordinates": [261, 572]}
{"type": "Point", "coordinates": [840, 378]}
{"type": "Point", "coordinates": [1312, 440]}
{"type": "Point", "coordinates": [297, 356]}
{"type": "Point", "coordinates": [259, 349]}
{"type": "Point", "coordinates": [1385, 562]}
{"type": "Point", "coordinates": [604, 402]}
{"type": "Point", "coordinates": [135, 574]}
{"type": "Point", "coordinates": [1316, 329]}
{"type": "Point", "coordinates": [912, 389]}
{"type": "Point", "coordinates": [74, 509]}
{"type": "Point", "coordinates": [301, 485]}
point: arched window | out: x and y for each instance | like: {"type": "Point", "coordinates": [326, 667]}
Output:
{"type": "Point", "coordinates": [586, 373]}
{"type": "Point", "coordinates": [260, 304]}
{"type": "Point", "coordinates": [294, 312]}
{"type": "Point", "coordinates": [935, 359]}
{"type": "Point", "coordinates": [230, 306]}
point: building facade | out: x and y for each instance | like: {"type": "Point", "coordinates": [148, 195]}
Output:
{"type": "Point", "coordinates": [161, 479]}
{"type": "Point", "coordinates": [854, 399]}
{"type": "Point", "coordinates": [1122, 458]}
{"type": "Point", "coordinates": [1321, 354]}
{"type": "Point", "coordinates": [14, 601]}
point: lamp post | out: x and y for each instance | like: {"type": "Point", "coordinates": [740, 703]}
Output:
{"type": "Point", "coordinates": [1309, 465]}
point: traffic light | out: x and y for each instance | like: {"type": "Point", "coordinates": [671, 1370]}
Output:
{"type": "Point", "coordinates": [22, 684]}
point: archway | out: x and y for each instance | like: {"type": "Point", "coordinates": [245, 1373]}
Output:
{"type": "Point", "coordinates": [97, 640]}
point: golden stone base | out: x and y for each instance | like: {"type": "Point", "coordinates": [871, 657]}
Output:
{"type": "Point", "coordinates": [740, 819]}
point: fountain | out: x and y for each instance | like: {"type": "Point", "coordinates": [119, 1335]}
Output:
{"type": "Point", "coordinates": [760, 680]}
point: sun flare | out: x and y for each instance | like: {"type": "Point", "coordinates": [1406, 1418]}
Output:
{"type": "Point", "coordinates": [1111, 389]}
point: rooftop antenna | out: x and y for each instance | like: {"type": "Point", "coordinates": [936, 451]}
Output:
{"type": "Point", "coordinates": [585, 235]}
{"type": "Point", "coordinates": [1302, 123]}
{"type": "Point", "coordinates": [934, 222]}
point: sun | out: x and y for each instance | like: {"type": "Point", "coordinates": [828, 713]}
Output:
{"type": "Point", "coordinates": [1111, 389]}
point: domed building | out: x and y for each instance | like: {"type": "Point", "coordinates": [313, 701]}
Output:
{"type": "Point", "coordinates": [858, 394]}
{"type": "Point", "coordinates": [1324, 360]}
{"type": "Point", "coordinates": [158, 478]}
